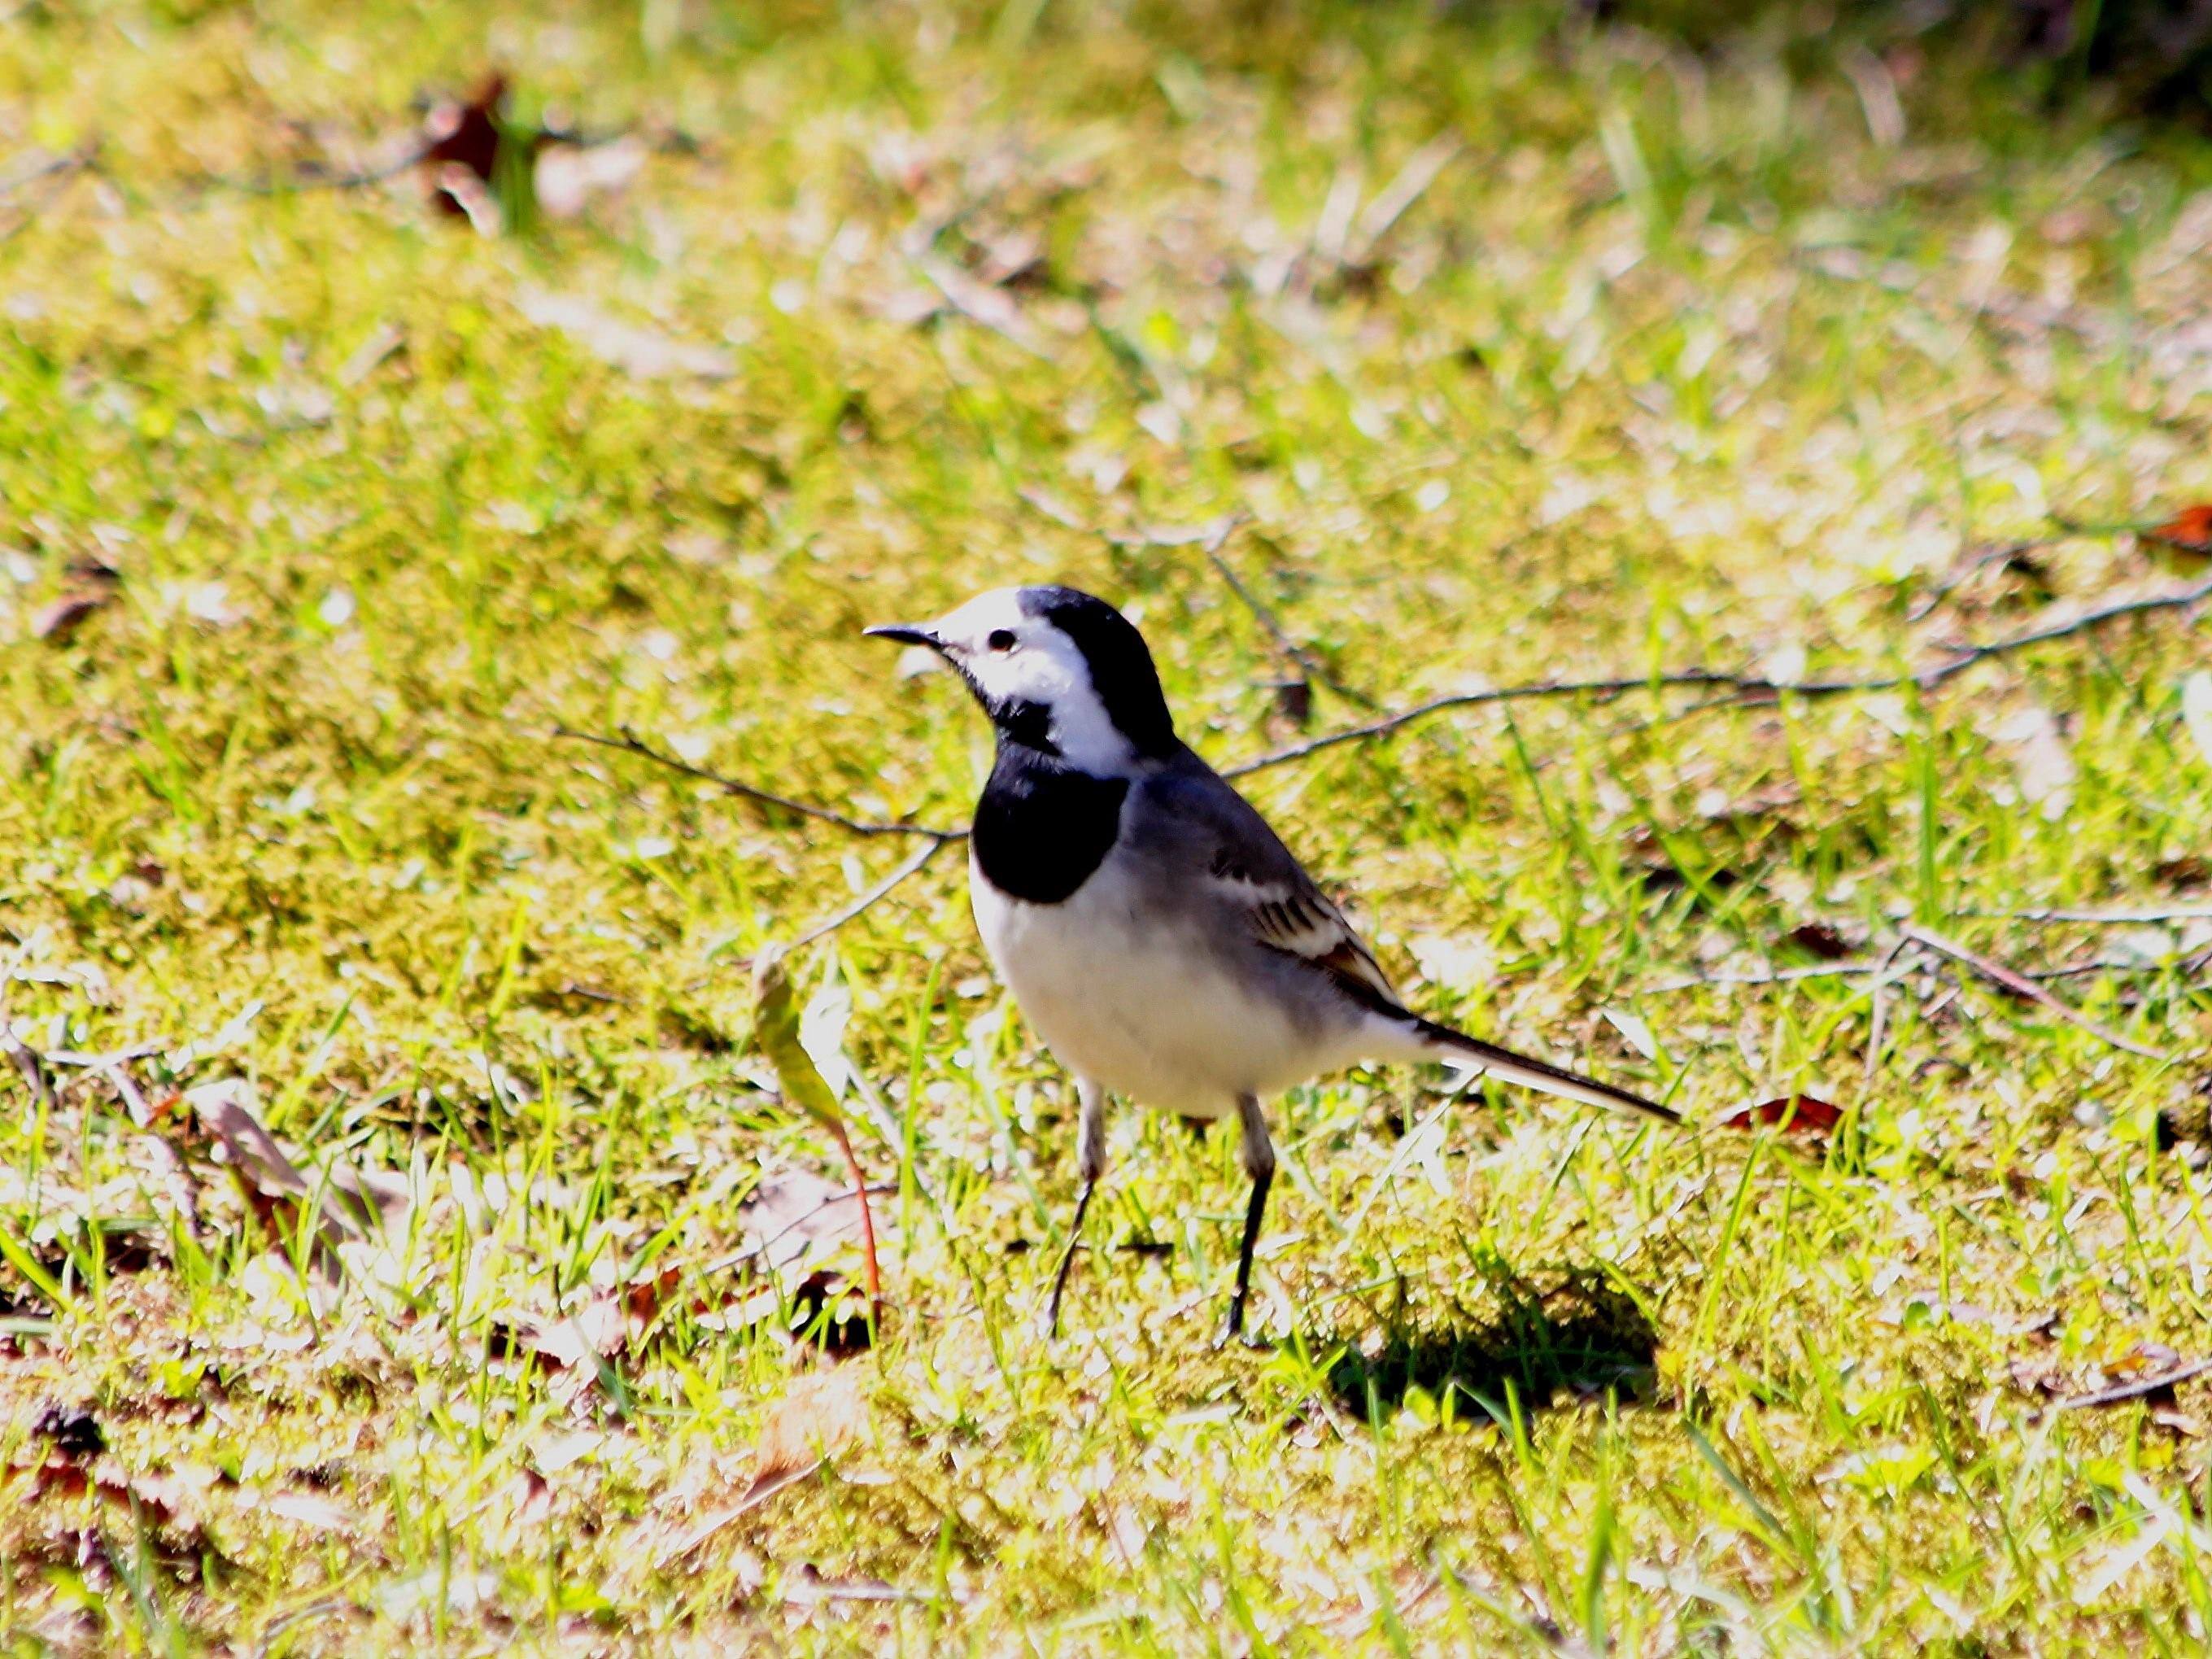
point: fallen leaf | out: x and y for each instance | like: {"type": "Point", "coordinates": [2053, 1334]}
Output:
{"type": "Point", "coordinates": [795, 1217]}
{"type": "Point", "coordinates": [147, 1497]}
{"type": "Point", "coordinates": [384, 341]}
{"type": "Point", "coordinates": [777, 1029]}
{"type": "Point", "coordinates": [2188, 533]}
{"type": "Point", "coordinates": [1889, 1469]}
{"type": "Point", "coordinates": [479, 165]}
{"type": "Point", "coordinates": [641, 352]}
{"type": "Point", "coordinates": [1804, 1114]}
{"type": "Point", "coordinates": [57, 622]}
{"type": "Point", "coordinates": [819, 1416]}
{"type": "Point", "coordinates": [351, 1204]}
{"type": "Point", "coordinates": [1819, 940]}
{"type": "Point", "coordinates": [436, 1588]}
{"type": "Point", "coordinates": [607, 1327]}
{"type": "Point", "coordinates": [309, 1511]}
{"type": "Point", "coordinates": [1926, 1307]}
{"type": "Point", "coordinates": [74, 1433]}
{"type": "Point", "coordinates": [1636, 1029]}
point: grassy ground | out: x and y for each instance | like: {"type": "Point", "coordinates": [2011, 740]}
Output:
{"type": "Point", "coordinates": [1744, 359]}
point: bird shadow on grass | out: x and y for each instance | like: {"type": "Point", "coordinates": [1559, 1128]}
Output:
{"type": "Point", "coordinates": [1532, 1347]}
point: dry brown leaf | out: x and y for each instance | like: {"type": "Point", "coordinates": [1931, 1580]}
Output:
{"type": "Point", "coordinates": [819, 1417]}
{"type": "Point", "coordinates": [149, 1498]}
{"type": "Point", "coordinates": [571, 176]}
{"type": "Point", "coordinates": [57, 622]}
{"type": "Point", "coordinates": [1804, 1114]}
{"type": "Point", "coordinates": [461, 137]}
{"type": "Point", "coordinates": [352, 1205]}
{"type": "Point", "coordinates": [1819, 940]}
{"type": "Point", "coordinates": [822, 1413]}
{"type": "Point", "coordinates": [795, 1217]}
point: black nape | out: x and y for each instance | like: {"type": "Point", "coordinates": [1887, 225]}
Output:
{"type": "Point", "coordinates": [1121, 669]}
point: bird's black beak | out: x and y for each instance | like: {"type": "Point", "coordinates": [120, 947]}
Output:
{"type": "Point", "coordinates": [906, 634]}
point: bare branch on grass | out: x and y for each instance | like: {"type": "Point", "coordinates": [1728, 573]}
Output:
{"type": "Point", "coordinates": [912, 866]}
{"type": "Point", "coordinates": [1865, 969]}
{"type": "Point", "coordinates": [628, 742]}
{"type": "Point", "coordinates": [1310, 668]}
{"type": "Point", "coordinates": [2117, 918]}
{"type": "Point", "coordinates": [1740, 688]}
{"type": "Point", "coordinates": [2021, 986]}
{"type": "Point", "coordinates": [1731, 689]}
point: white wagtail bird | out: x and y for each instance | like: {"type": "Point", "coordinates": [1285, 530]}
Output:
{"type": "Point", "coordinates": [1158, 936]}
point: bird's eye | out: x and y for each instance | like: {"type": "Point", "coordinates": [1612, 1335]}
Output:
{"type": "Point", "coordinates": [1002, 639]}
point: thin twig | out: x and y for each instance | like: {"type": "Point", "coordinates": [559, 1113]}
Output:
{"type": "Point", "coordinates": [1927, 605]}
{"type": "Point", "coordinates": [1741, 687]}
{"type": "Point", "coordinates": [2102, 918]}
{"type": "Point", "coordinates": [53, 175]}
{"type": "Point", "coordinates": [2184, 967]}
{"type": "Point", "coordinates": [1782, 976]}
{"type": "Point", "coordinates": [310, 177]}
{"type": "Point", "coordinates": [1730, 689]}
{"type": "Point", "coordinates": [100, 1062]}
{"type": "Point", "coordinates": [2019, 985]}
{"type": "Point", "coordinates": [980, 303]}
{"type": "Point", "coordinates": [911, 866]}
{"type": "Point", "coordinates": [68, 161]}
{"type": "Point", "coordinates": [629, 743]}
{"type": "Point", "coordinates": [1310, 667]}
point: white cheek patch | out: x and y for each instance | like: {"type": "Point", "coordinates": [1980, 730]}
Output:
{"type": "Point", "coordinates": [1046, 668]}
{"type": "Point", "coordinates": [1085, 735]}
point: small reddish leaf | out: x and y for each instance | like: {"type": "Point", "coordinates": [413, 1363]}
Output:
{"type": "Point", "coordinates": [2192, 527]}
{"type": "Point", "coordinates": [1804, 1114]}
{"type": "Point", "coordinates": [2187, 534]}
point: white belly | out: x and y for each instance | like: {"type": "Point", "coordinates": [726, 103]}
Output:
{"type": "Point", "coordinates": [1148, 1014]}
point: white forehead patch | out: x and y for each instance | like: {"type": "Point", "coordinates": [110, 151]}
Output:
{"type": "Point", "coordinates": [1041, 666]}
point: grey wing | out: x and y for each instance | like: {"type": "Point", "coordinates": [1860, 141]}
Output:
{"type": "Point", "coordinates": [1243, 866]}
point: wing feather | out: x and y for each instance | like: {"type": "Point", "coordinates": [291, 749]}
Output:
{"type": "Point", "coordinates": [1295, 917]}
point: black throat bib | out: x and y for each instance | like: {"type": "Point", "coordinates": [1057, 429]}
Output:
{"type": "Point", "coordinates": [1042, 828]}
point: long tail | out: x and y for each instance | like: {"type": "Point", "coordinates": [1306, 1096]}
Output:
{"type": "Point", "coordinates": [1457, 1048]}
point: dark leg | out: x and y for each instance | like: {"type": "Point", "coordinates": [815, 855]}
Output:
{"type": "Point", "coordinates": [1090, 1164]}
{"type": "Point", "coordinates": [1260, 1165]}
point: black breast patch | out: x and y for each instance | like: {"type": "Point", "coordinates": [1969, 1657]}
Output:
{"type": "Point", "coordinates": [1042, 828]}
